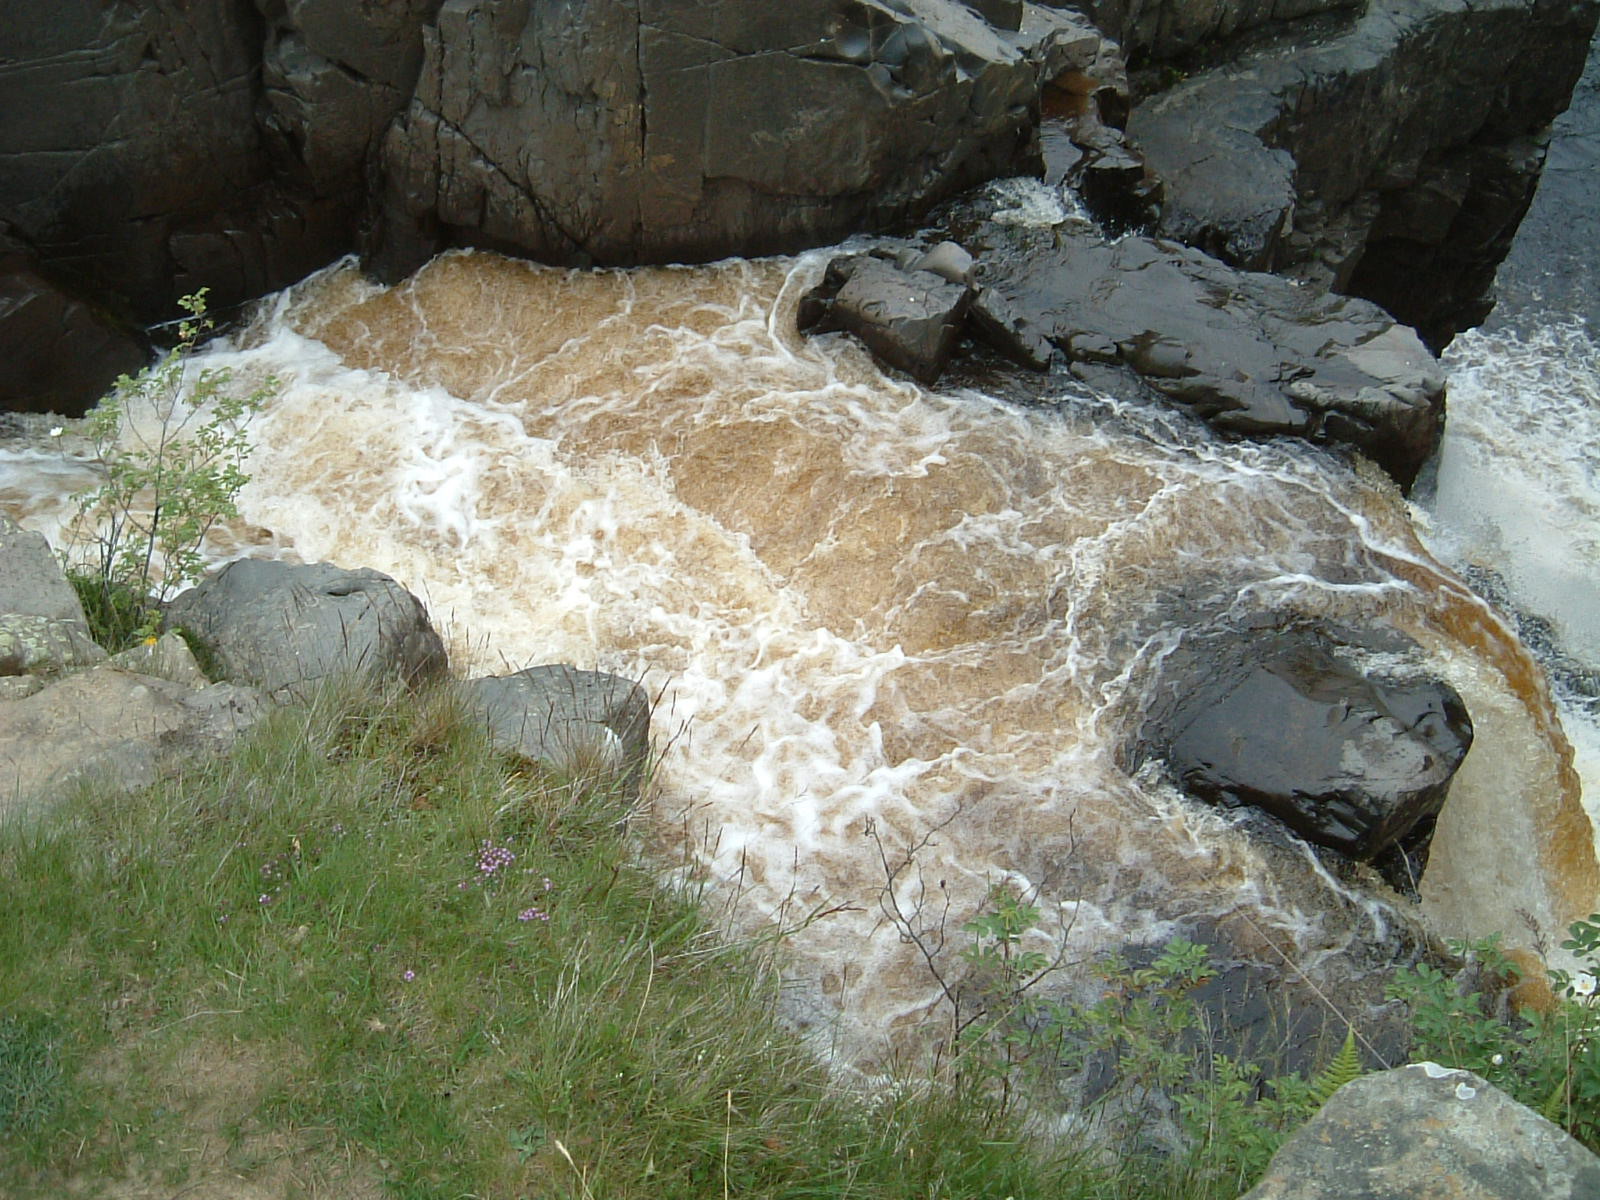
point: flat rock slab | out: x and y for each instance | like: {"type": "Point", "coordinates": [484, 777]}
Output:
{"type": "Point", "coordinates": [109, 724]}
{"type": "Point", "coordinates": [574, 722]}
{"type": "Point", "coordinates": [1345, 738]}
{"type": "Point", "coordinates": [284, 628]}
{"type": "Point", "coordinates": [1249, 353]}
{"type": "Point", "coordinates": [1428, 1131]}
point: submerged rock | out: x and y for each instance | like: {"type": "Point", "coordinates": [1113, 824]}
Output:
{"type": "Point", "coordinates": [1343, 736]}
{"type": "Point", "coordinates": [1426, 1130]}
{"type": "Point", "coordinates": [284, 628]}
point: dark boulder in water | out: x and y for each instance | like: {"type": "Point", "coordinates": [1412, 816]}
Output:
{"type": "Point", "coordinates": [1345, 737]}
{"type": "Point", "coordinates": [909, 316]}
{"type": "Point", "coordinates": [1250, 354]}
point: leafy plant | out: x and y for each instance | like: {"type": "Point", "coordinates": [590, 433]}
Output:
{"type": "Point", "coordinates": [1549, 1061]}
{"type": "Point", "coordinates": [170, 443]}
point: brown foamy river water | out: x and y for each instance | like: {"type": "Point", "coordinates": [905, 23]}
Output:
{"type": "Point", "coordinates": [878, 617]}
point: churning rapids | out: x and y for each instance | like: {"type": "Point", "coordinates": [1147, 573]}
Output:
{"type": "Point", "coordinates": [883, 622]}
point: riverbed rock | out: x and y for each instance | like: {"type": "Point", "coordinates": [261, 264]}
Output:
{"type": "Point", "coordinates": [676, 130]}
{"type": "Point", "coordinates": [42, 626]}
{"type": "Point", "coordinates": [575, 722]}
{"type": "Point", "coordinates": [1392, 159]}
{"type": "Point", "coordinates": [1426, 1130]}
{"type": "Point", "coordinates": [285, 628]}
{"type": "Point", "coordinates": [155, 149]}
{"type": "Point", "coordinates": [1249, 353]}
{"type": "Point", "coordinates": [909, 316]}
{"type": "Point", "coordinates": [1343, 736]}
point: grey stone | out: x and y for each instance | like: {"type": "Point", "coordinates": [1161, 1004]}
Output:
{"type": "Point", "coordinates": [40, 646]}
{"type": "Point", "coordinates": [574, 722]}
{"type": "Point", "coordinates": [15, 687]}
{"type": "Point", "coordinates": [285, 628]}
{"type": "Point", "coordinates": [42, 627]}
{"type": "Point", "coordinates": [1424, 1130]}
{"type": "Point", "coordinates": [949, 261]}
{"type": "Point", "coordinates": [32, 582]}
{"type": "Point", "coordinates": [168, 657]}
{"type": "Point", "coordinates": [111, 727]}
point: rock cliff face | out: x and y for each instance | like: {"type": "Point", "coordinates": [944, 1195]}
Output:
{"type": "Point", "coordinates": [1166, 29]}
{"type": "Point", "coordinates": [628, 131]}
{"type": "Point", "coordinates": [1391, 158]}
{"type": "Point", "coordinates": [152, 149]}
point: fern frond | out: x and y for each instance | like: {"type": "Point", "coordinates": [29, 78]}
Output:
{"type": "Point", "coordinates": [1345, 1067]}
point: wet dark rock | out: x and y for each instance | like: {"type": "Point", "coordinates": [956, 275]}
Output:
{"type": "Point", "coordinates": [574, 722]}
{"type": "Point", "coordinates": [1168, 29]}
{"type": "Point", "coordinates": [910, 317]}
{"type": "Point", "coordinates": [152, 150]}
{"type": "Point", "coordinates": [680, 131]}
{"type": "Point", "coordinates": [285, 628]}
{"type": "Point", "coordinates": [1425, 1130]}
{"type": "Point", "coordinates": [1345, 737]}
{"type": "Point", "coordinates": [61, 354]}
{"type": "Point", "coordinates": [1393, 160]}
{"type": "Point", "coordinates": [1249, 353]}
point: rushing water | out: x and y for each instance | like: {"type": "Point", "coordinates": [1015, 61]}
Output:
{"type": "Point", "coordinates": [894, 632]}
{"type": "Point", "coordinates": [1516, 505]}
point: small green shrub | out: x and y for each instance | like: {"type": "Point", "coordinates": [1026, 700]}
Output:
{"type": "Point", "coordinates": [170, 443]}
{"type": "Point", "coordinates": [1144, 1040]}
{"type": "Point", "coordinates": [1549, 1061]}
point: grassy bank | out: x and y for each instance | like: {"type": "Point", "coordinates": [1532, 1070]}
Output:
{"type": "Point", "coordinates": [364, 955]}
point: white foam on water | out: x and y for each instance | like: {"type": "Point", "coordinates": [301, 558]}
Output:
{"type": "Point", "coordinates": [1518, 494]}
{"type": "Point", "coordinates": [1519, 471]}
